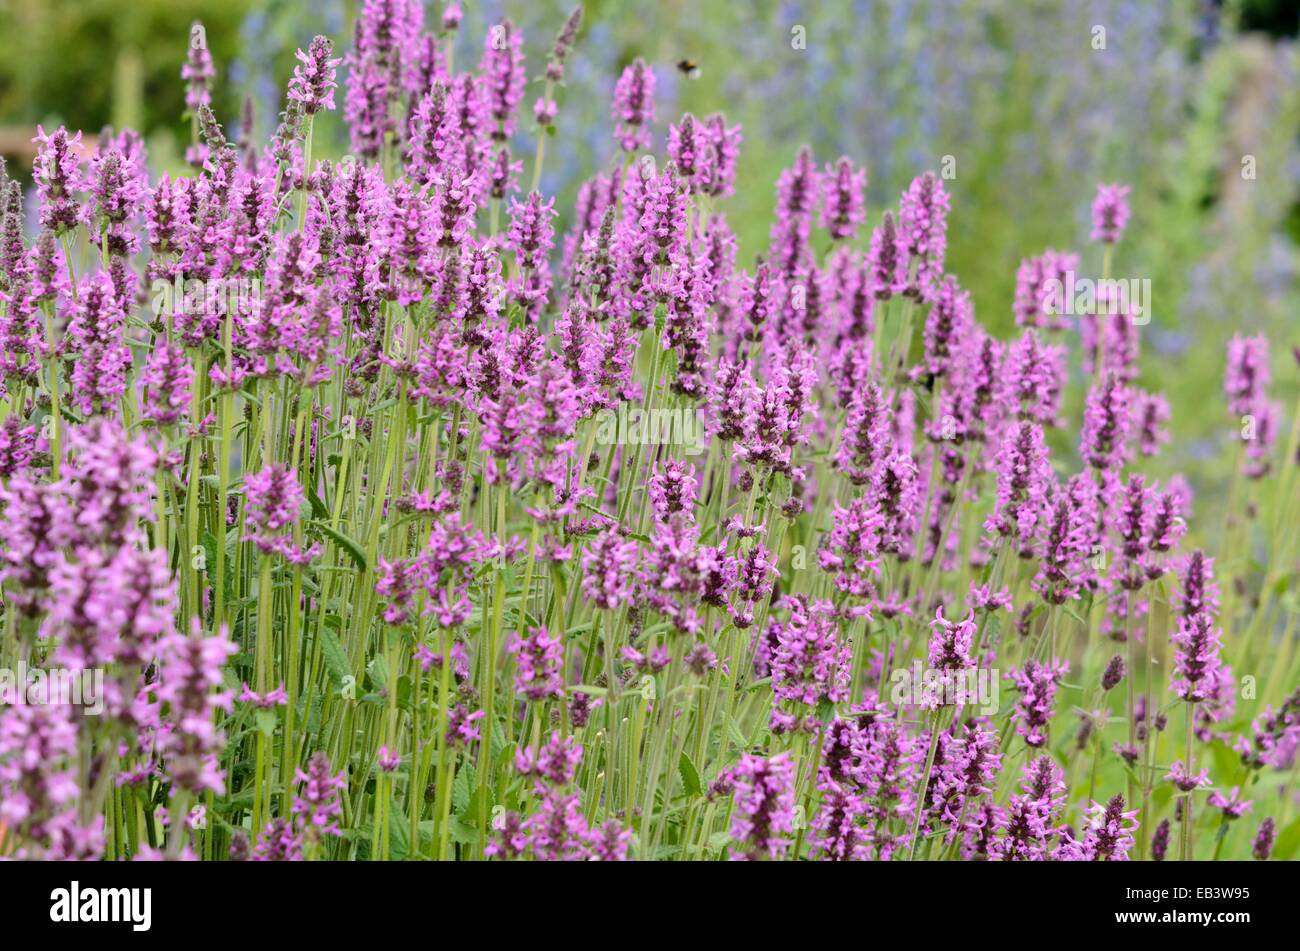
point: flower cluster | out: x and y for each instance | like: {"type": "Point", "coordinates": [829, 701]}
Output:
{"type": "Point", "coordinates": [428, 517]}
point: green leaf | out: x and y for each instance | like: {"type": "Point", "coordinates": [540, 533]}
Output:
{"type": "Point", "coordinates": [318, 508]}
{"type": "Point", "coordinates": [1226, 762]}
{"type": "Point", "coordinates": [313, 714]}
{"type": "Point", "coordinates": [335, 655]}
{"type": "Point", "coordinates": [737, 736]}
{"type": "Point", "coordinates": [1287, 842]}
{"type": "Point", "coordinates": [210, 543]}
{"type": "Point", "coordinates": [378, 673]}
{"type": "Point", "coordinates": [210, 547]}
{"type": "Point", "coordinates": [462, 833]}
{"type": "Point", "coordinates": [404, 691]}
{"type": "Point", "coordinates": [462, 788]}
{"type": "Point", "coordinates": [266, 722]}
{"type": "Point", "coordinates": [720, 840]}
{"type": "Point", "coordinates": [343, 541]}
{"type": "Point", "coordinates": [690, 775]}
{"type": "Point", "coordinates": [399, 835]}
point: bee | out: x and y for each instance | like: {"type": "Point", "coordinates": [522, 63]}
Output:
{"type": "Point", "coordinates": [689, 68]}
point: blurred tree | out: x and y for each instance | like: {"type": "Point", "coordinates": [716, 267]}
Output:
{"type": "Point", "coordinates": [1276, 17]}
{"type": "Point", "coordinates": [89, 63]}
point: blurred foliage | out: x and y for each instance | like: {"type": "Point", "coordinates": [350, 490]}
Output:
{"type": "Point", "coordinates": [88, 63]}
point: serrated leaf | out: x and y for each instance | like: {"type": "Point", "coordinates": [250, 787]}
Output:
{"type": "Point", "coordinates": [690, 775]}
{"type": "Point", "coordinates": [399, 835]}
{"type": "Point", "coordinates": [343, 541]}
{"type": "Point", "coordinates": [318, 508]}
{"type": "Point", "coordinates": [210, 543]}
{"type": "Point", "coordinates": [462, 833]}
{"type": "Point", "coordinates": [462, 788]}
{"type": "Point", "coordinates": [737, 736]}
{"type": "Point", "coordinates": [378, 672]}
{"type": "Point", "coordinates": [210, 547]}
{"type": "Point", "coordinates": [334, 654]}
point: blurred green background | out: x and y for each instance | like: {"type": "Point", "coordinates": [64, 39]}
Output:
{"type": "Point", "coordinates": [1018, 93]}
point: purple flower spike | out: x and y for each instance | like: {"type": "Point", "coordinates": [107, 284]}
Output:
{"type": "Point", "coordinates": [198, 70]}
{"type": "Point", "coordinates": [951, 642]}
{"type": "Point", "coordinates": [1024, 475]}
{"type": "Point", "coordinates": [537, 658]}
{"type": "Point", "coordinates": [1263, 845]}
{"type": "Point", "coordinates": [1037, 684]}
{"type": "Point", "coordinates": [58, 176]}
{"type": "Point", "coordinates": [634, 106]}
{"type": "Point", "coordinates": [923, 227]}
{"type": "Point", "coordinates": [1108, 838]}
{"type": "Point", "coordinates": [810, 664]}
{"type": "Point", "coordinates": [1106, 421]}
{"type": "Point", "coordinates": [1196, 658]}
{"type": "Point", "coordinates": [764, 806]}
{"type": "Point", "coordinates": [313, 82]}
{"type": "Point", "coordinates": [503, 69]}
{"type": "Point", "coordinates": [1110, 213]}
{"type": "Point", "coordinates": [843, 208]}
{"type": "Point", "coordinates": [317, 806]}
